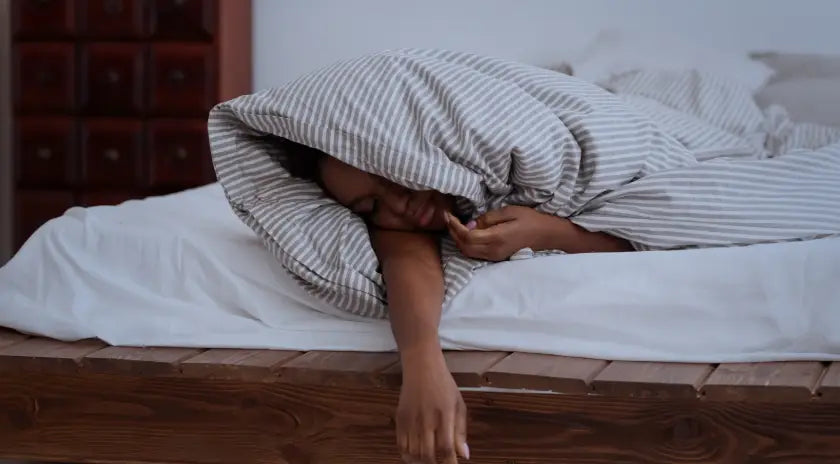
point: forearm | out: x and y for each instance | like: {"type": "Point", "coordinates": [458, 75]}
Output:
{"type": "Point", "coordinates": [414, 281]}
{"type": "Point", "coordinates": [558, 233]}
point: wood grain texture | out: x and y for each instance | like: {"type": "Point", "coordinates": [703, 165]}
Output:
{"type": "Point", "coordinates": [829, 388]}
{"type": "Point", "coordinates": [651, 379]}
{"type": "Point", "coordinates": [121, 419]}
{"type": "Point", "coordinates": [545, 372]}
{"type": "Point", "coordinates": [467, 367]}
{"type": "Point", "coordinates": [237, 364]}
{"type": "Point", "coordinates": [337, 368]}
{"type": "Point", "coordinates": [138, 361]}
{"type": "Point", "coordinates": [771, 381]}
{"type": "Point", "coordinates": [10, 337]}
{"type": "Point", "coordinates": [46, 355]}
{"type": "Point", "coordinates": [234, 45]}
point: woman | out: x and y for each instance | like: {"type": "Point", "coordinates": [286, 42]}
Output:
{"type": "Point", "coordinates": [405, 227]}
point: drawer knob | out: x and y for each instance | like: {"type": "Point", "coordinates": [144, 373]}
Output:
{"type": "Point", "coordinates": [180, 3]}
{"type": "Point", "coordinates": [43, 153]}
{"type": "Point", "coordinates": [176, 76]}
{"type": "Point", "coordinates": [112, 76]}
{"type": "Point", "coordinates": [181, 153]}
{"type": "Point", "coordinates": [112, 154]}
{"type": "Point", "coordinates": [44, 76]}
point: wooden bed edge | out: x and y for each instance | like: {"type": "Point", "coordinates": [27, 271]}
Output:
{"type": "Point", "coordinates": [743, 382]}
{"type": "Point", "coordinates": [89, 417]}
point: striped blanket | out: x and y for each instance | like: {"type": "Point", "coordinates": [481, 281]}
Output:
{"type": "Point", "coordinates": [665, 160]}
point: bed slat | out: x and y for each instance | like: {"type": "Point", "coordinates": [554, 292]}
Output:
{"type": "Point", "coordinates": [545, 372]}
{"type": "Point", "coordinates": [235, 364]}
{"type": "Point", "coordinates": [47, 355]}
{"type": "Point", "coordinates": [769, 381]}
{"type": "Point", "coordinates": [467, 367]}
{"type": "Point", "coordinates": [10, 337]}
{"type": "Point", "coordinates": [138, 361]}
{"type": "Point", "coordinates": [651, 379]}
{"type": "Point", "coordinates": [337, 368]}
{"type": "Point", "coordinates": [829, 388]}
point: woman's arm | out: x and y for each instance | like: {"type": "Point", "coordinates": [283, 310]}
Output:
{"type": "Point", "coordinates": [500, 233]}
{"type": "Point", "coordinates": [431, 416]}
{"type": "Point", "coordinates": [558, 233]}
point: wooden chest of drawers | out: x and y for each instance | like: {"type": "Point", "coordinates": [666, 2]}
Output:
{"type": "Point", "coordinates": [111, 98]}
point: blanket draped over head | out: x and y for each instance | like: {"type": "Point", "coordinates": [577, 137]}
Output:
{"type": "Point", "coordinates": [665, 160]}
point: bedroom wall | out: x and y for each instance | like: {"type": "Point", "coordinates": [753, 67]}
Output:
{"type": "Point", "coordinates": [294, 36]}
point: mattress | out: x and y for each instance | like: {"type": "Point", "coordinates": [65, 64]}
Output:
{"type": "Point", "coordinates": [182, 270]}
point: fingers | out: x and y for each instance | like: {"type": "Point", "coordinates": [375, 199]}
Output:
{"type": "Point", "coordinates": [445, 438]}
{"type": "Point", "coordinates": [402, 444]}
{"type": "Point", "coordinates": [497, 216]}
{"type": "Point", "coordinates": [461, 430]}
{"type": "Point", "coordinates": [461, 232]}
{"type": "Point", "coordinates": [494, 244]}
{"type": "Point", "coordinates": [427, 452]}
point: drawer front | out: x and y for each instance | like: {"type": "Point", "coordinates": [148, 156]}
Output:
{"type": "Point", "coordinates": [112, 18]}
{"type": "Point", "coordinates": [112, 78]}
{"type": "Point", "coordinates": [38, 19]}
{"type": "Point", "coordinates": [179, 154]}
{"type": "Point", "coordinates": [112, 153]}
{"type": "Point", "coordinates": [183, 81]}
{"type": "Point", "coordinates": [45, 152]}
{"type": "Point", "coordinates": [35, 207]}
{"type": "Point", "coordinates": [44, 77]}
{"type": "Point", "coordinates": [183, 19]}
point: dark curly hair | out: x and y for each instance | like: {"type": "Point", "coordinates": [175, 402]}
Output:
{"type": "Point", "coordinates": [299, 160]}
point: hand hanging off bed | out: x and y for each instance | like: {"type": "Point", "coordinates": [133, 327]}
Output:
{"type": "Point", "coordinates": [405, 226]}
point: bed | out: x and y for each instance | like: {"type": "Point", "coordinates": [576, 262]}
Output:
{"type": "Point", "coordinates": [160, 330]}
{"type": "Point", "coordinates": [181, 373]}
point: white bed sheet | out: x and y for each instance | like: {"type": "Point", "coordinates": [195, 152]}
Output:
{"type": "Point", "coordinates": [181, 270]}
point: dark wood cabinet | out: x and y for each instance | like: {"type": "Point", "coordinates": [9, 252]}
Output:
{"type": "Point", "coordinates": [113, 153]}
{"type": "Point", "coordinates": [112, 78]}
{"type": "Point", "coordinates": [103, 19]}
{"type": "Point", "coordinates": [44, 77]}
{"type": "Point", "coordinates": [178, 19]}
{"type": "Point", "coordinates": [45, 152]}
{"type": "Point", "coordinates": [181, 79]}
{"type": "Point", "coordinates": [111, 98]}
{"type": "Point", "coordinates": [43, 18]}
{"type": "Point", "coordinates": [35, 207]}
{"type": "Point", "coordinates": [176, 152]}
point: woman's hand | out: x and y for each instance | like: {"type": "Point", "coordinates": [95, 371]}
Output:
{"type": "Point", "coordinates": [500, 233]}
{"type": "Point", "coordinates": [431, 416]}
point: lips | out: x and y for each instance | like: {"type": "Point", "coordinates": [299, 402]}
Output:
{"type": "Point", "coordinates": [427, 214]}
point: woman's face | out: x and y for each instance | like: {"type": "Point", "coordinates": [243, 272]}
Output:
{"type": "Point", "coordinates": [382, 202]}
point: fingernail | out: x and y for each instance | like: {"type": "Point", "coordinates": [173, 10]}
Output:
{"type": "Point", "coordinates": [471, 225]}
{"type": "Point", "coordinates": [467, 451]}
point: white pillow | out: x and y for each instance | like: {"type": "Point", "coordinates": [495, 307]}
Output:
{"type": "Point", "coordinates": [615, 51]}
{"type": "Point", "coordinates": [813, 100]}
{"type": "Point", "coordinates": [791, 66]}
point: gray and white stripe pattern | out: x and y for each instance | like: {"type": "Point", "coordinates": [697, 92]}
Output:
{"type": "Point", "coordinates": [665, 160]}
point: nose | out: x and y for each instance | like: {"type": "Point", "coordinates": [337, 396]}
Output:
{"type": "Point", "coordinates": [396, 199]}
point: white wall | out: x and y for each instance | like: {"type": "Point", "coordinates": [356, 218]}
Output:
{"type": "Point", "coordinates": [292, 37]}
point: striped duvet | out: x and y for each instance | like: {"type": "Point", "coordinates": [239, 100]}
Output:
{"type": "Point", "coordinates": [665, 160]}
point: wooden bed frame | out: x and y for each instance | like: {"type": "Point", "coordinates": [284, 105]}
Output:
{"type": "Point", "coordinates": [89, 402]}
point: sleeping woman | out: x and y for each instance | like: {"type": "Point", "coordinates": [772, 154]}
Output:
{"type": "Point", "coordinates": [405, 227]}
{"type": "Point", "coordinates": [655, 167]}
